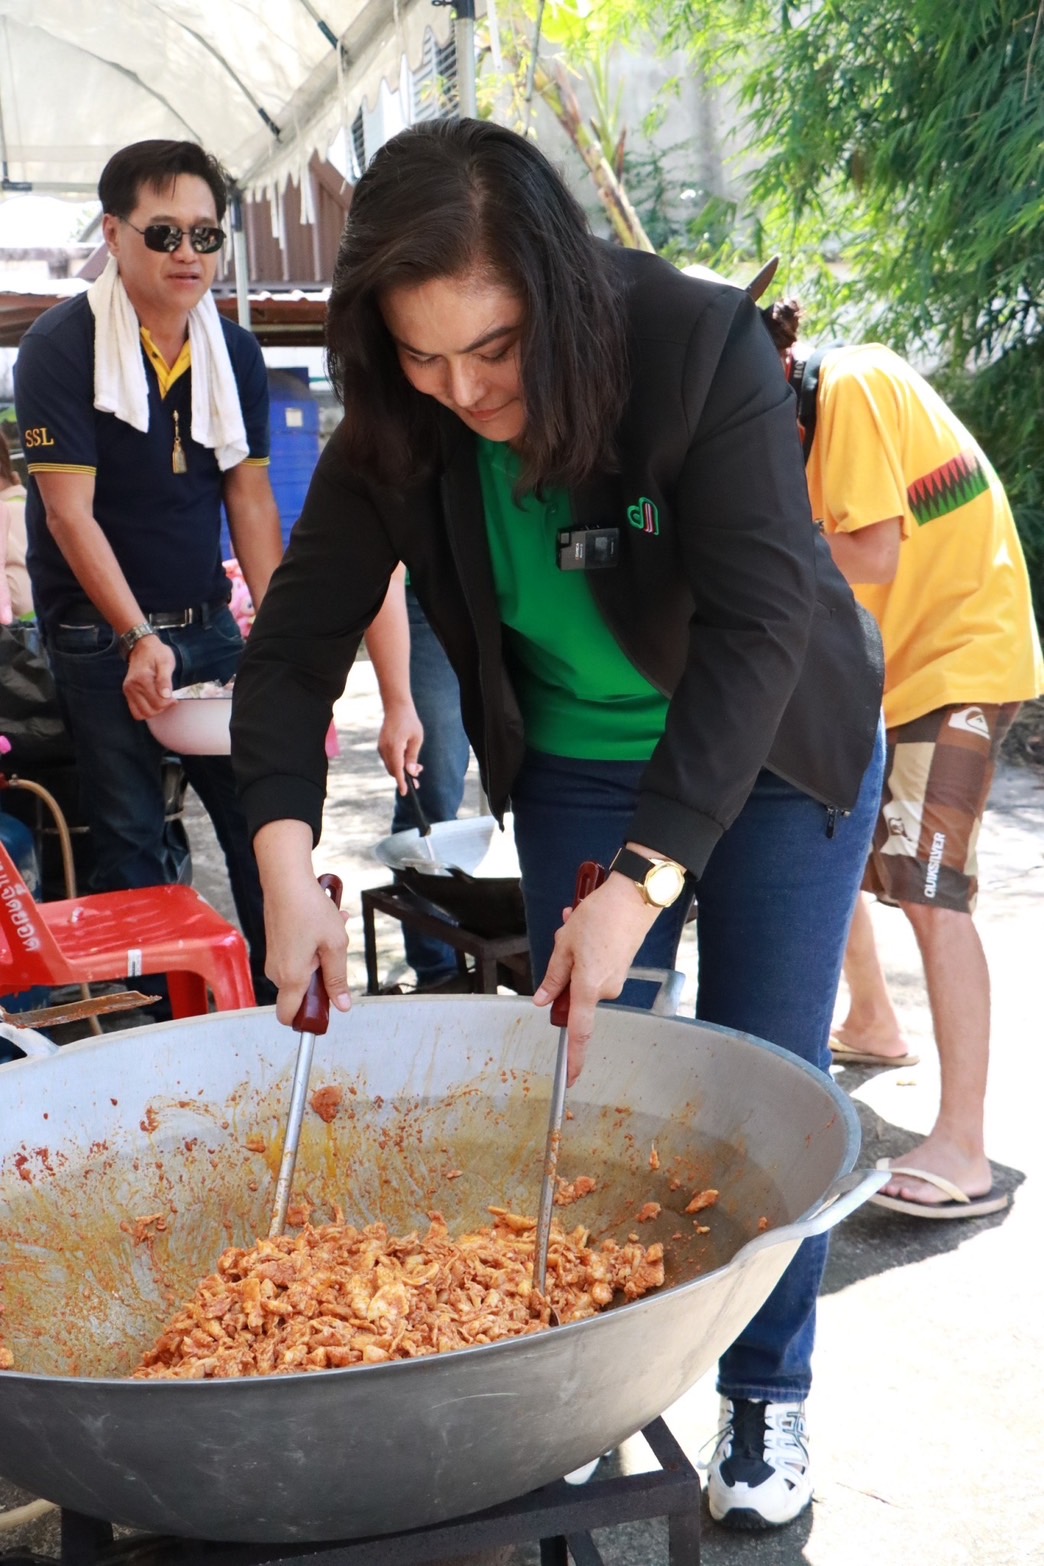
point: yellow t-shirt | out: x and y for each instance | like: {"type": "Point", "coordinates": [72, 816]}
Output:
{"type": "Point", "coordinates": [957, 619]}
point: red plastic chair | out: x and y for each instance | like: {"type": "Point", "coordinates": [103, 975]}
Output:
{"type": "Point", "coordinates": [116, 935]}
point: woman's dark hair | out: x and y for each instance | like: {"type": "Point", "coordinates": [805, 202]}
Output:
{"type": "Point", "coordinates": [158, 163]}
{"type": "Point", "coordinates": [441, 199]}
{"type": "Point", "coordinates": [783, 322]}
{"type": "Point", "coordinates": [8, 476]}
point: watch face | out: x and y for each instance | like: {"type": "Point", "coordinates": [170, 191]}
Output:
{"type": "Point", "coordinates": [663, 884]}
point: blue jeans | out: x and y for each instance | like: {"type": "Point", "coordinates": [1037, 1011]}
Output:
{"type": "Point", "coordinates": [119, 768]}
{"type": "Point", "coordinates": [444, 754]}
{"type": "Point", "coordinates": [775, 903]}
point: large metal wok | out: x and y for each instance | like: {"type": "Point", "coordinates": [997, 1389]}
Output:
{"type": "Point", "coordinates": [467, 869]}
{"type": "Point", "coordinates": [129, 1162]}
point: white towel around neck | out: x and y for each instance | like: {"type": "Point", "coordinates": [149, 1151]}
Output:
{"type": "Point", "coordinates": [120, 386]}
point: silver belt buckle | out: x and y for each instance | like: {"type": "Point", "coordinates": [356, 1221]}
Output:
{"type": "Point", "coordinates": [170, 621]}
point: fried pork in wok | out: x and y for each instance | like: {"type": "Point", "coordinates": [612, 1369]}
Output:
{"type": "Point", "coordinates": [335, 1296]}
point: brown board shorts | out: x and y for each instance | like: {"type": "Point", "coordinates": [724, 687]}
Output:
{"type": "Point", "coordinates": [938, 774]}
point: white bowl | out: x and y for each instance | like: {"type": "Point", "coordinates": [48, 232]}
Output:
{"type": "Point", "coordinates": [195, 726]}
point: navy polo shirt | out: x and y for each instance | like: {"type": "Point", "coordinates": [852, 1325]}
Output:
{"type": "Point", "coordinates": [164, 527]}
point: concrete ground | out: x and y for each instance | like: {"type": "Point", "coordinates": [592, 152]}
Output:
{"type": "Point", "coordinates": [928, 1440]}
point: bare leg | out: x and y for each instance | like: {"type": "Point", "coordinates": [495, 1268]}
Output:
{"type": "Point", "coordinates": [958, 984]}
{"type": "Point", "coordinates": [871, 1026]}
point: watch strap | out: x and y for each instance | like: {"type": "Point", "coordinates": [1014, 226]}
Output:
{"type": "Point", "coordinates": [634, 866]}
{"type": "Point", "coordinates": [637, 868]}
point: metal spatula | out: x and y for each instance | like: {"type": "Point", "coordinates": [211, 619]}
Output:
{"type": "Point", "coordinates": [589, 876]}
{"type": "Point", "coordinates": [312, 1019]}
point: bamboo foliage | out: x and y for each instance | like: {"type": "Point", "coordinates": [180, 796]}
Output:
{"type": "Point", "coordinates": [575, 40]}
{"type": "Point", "coordinates": [899, 156]}
{"type": "Point", "coordinates": [555, 89]}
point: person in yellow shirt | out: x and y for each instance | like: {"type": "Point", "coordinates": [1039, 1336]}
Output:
{"type": "Point", "coordinates": [919, 524]}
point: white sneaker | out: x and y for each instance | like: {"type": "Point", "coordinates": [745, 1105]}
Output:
{"type": "Point", "coordinates": [581, 1475]}
{"type": "Point", "coordinates": [759, 1475]}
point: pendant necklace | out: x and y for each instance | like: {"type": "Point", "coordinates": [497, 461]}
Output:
{"type": "Point", "coordinates": [178, 460]}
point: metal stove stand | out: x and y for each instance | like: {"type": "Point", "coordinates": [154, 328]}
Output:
{"type": "Point", "coordinates": [497, 958]}
{"type": "Point", "coordinates": [560, 1516]}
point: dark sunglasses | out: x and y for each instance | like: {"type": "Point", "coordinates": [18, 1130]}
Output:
{"type": "Point", "coordinates": [166, 237]}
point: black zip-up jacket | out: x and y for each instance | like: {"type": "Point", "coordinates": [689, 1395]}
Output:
{"type": "Point", "coordinates": [725, 596]}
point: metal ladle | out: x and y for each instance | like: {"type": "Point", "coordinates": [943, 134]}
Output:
{"type": "Point", "coordinates": [312, 1019]}
{"type": "Point", "coordinates": [589, 876]}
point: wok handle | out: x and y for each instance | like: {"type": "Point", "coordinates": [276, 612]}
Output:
{"type": "Point", "coordinates": [588, 878]}
{"type": "Point", "coordinates": [413, 798]}
{"type": "Point", "coordinates": [846, 1194]}
{"type": "Point", "coordinates": [668, 996]}
{"type": "Point", "coordinates": [32, 1044]}
{"type": "Point", "coordinates": [313, 1014]}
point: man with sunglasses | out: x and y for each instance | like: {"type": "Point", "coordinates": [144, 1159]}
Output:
{"type": "Point", "coordinates": [143, 413]}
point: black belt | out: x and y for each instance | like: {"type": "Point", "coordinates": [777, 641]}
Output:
{"type": "Point", "coordinates": [176, 619]}
{"type": "Point", "coordinates": [159, 619]}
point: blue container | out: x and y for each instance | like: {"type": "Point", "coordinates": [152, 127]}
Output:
{"type": "Point", "coordinates": [21, 845]}
{"type": "Point", "coordinates": [294, 423]}
{"type": "Point", "coordinates": [295, 442]}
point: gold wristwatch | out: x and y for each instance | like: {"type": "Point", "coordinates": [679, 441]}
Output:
{"type": "Point", "coordinates": [660, 881]}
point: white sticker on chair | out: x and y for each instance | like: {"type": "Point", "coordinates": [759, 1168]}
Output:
{"type": "Point", "coordinates": [134, 963]}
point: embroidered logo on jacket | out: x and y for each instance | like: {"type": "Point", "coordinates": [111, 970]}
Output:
{"type": "Point", "coordinates": [645, 517]}
{"type": "Point", "coordinates": [948, 488]}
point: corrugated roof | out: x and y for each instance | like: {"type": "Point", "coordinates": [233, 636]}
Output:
{"type": "Point", "coordinates": [284, 320]}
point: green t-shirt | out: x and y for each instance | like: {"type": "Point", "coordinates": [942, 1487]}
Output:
{"type": "Point", "coordinates": [580, 694]}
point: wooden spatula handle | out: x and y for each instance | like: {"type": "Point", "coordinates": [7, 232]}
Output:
{"type": "Point", "coordinates": [313, 1014]}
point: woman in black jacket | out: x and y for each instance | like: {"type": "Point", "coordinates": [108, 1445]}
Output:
{"type": "Point", "coordinates": [590, 465]}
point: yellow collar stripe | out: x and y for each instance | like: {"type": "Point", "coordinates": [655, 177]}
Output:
{"type": "Point", "coordinates": [165, 374]}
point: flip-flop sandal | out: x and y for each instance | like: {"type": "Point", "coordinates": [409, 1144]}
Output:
{"type": "Point", "coordinates": [959, 1205]}
{"type": "Point", "coordinates": [844, 1055]}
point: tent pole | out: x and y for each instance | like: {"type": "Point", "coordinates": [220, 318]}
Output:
{"type": "Point", "coordinates": [241, 259]}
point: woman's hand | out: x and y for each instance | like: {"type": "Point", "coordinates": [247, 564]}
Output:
{"type": "Point", "coordinates": [400, 740]}
{"type": "Point", "coordinates": [593, 951]}
{"type": "Point", "coordinates": [303, 929]}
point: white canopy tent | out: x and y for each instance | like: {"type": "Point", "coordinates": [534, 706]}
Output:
{"type": "Point", "coordinates": [261, 83]}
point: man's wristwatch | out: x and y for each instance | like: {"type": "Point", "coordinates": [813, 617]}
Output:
{"type": "Point", "coordinates": [136, 634]}
{"type": "Point", "coordinates": [660, 881]}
